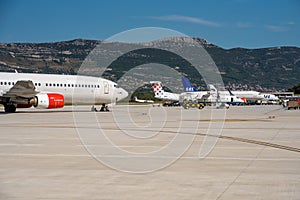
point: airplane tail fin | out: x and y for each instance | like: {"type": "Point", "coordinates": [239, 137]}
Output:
{"type": "Point", "coordinates": [212, 89]}
{"type": "Point", "coordinates": [244, 99]}
{"type": "Point", "coordinates": [231, 94]}
{"type": "Point", "coordinates": [213, 92]}
{"type": "Point", "coordinates": [157, 89]}
{"type": "Point", "coordinates": [188, 87]}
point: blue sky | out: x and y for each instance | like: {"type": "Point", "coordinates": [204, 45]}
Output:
{"type": "Point", "coordinates": [226, 23]}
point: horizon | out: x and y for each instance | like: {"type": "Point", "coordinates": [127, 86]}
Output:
{"type": "Point", "coordinates": [68, 40]}
{"type": "Point", "coordinates": [250, 24]}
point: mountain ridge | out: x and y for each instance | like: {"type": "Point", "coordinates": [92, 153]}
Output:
{"type": "Point", "coordinates": [270, 68]}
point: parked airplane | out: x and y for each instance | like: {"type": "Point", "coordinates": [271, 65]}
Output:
{"type": "Point", "coordinates": [222, 97]}
{"type": "Point", "coordinates": [46, 91]}
{"type": "Point", "coordinates": [254, 95]}
{"type": "Point", "coordinates": [142, 100]}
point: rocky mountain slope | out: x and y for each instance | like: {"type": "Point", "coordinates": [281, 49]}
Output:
{"type": "Point", "coordinates": [273, 68]}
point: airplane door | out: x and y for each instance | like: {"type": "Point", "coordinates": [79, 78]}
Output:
{"type": "Point", "coordinates": [106, 87]}
{"type": "Point", "coordinates": [231, 99]}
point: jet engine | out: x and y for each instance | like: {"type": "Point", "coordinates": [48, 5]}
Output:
{"type": "Point", "coordinates": [48, 101]}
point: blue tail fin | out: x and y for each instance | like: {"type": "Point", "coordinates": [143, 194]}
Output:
{"type": "Point", "coordinates": [188, 87]}
{"type": "Point", "coordinates": [230, 92]}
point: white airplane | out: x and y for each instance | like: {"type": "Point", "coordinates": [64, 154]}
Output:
{"type": "Point", "coordinates": [249, 95]}
{"type": "Point", "coordinates": [46, 91]}
{"type": "Point", "coordinates": [254, 95]}
{"type": "Point", "coordinates": [222, 97]}
{"type": "Point", "coordinates": [142, 100]}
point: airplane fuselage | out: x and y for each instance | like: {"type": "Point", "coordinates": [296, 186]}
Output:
{"type": "Point", "coordinates": [83, 90]}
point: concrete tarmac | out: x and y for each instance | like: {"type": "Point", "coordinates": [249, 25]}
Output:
{"type": "Point", "coordinates": [145, 152]}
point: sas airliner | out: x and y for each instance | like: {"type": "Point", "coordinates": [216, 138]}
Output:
{"type": "Point", "coordinates": [46, 91]}
{"type": "Point", "coordinates": [253, 95]}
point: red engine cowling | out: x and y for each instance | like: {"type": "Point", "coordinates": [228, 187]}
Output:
{"type": "Point", "coordinates": [48, 101]}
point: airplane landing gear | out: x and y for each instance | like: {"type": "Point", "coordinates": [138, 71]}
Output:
{"type": "Point", "coordinates": [9, 108]}
{"type": "Point", "coordinates": [104, 108]}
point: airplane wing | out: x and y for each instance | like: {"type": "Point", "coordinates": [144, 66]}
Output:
{"type": "Point", "coordinates": [23, 89]}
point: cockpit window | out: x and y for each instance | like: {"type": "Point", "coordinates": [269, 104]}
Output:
{"type": "Point", "coordinates": [116, 86]}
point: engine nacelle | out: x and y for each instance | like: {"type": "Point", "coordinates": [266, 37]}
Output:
{"type": "Point", "coordinates": [48, 101]}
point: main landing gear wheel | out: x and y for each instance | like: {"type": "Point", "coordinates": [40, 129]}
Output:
{"type": "Point", "coordinates": [201, 107]}
{"type": "Point", "coordinates": [9, 108]}
{"type": "Point", "coordinates": [104, 108]}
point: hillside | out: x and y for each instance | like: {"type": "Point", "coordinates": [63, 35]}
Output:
{"type": "Point", "coordinates": [273, 68]}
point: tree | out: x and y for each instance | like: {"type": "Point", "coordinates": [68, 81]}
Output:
{"type": "Point", "coordinates": [295, 89]}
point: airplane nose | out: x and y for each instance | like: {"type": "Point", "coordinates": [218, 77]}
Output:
{"type": "Point", "coordinates": [123, 94]}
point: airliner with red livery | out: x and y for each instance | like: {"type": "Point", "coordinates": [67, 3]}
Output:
{"type": "Point", "coordinates": [48, 91]}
